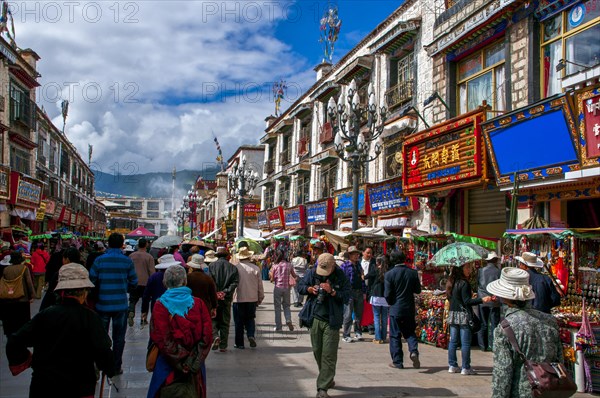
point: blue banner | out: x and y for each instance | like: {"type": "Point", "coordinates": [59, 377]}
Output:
{"type": "Point", "coordinates": [318, 213]}
{"type": "Point", "coordinates": [343, 202]}
{"type": "Point", "coordinates": [293, 217]}
{"type": "Point", "coordinates": [387, 197]}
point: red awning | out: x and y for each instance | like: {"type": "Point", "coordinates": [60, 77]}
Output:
{"type": "Point", "coordinates": [141, 232]}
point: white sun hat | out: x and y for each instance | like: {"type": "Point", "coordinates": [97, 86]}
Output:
{"type": "Point", "coordinates": [513, 285]}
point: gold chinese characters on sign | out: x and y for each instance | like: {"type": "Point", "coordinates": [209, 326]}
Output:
{"type": "Point", "coordinates": [447, 155]}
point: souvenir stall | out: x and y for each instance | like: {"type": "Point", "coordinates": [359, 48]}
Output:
{"type": "Point", "coordinates": [431, 304]}
{"type": "Point", "coordinates": [572, 260]}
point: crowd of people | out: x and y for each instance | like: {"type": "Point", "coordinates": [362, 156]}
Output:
{"type": "Point", "coordinates": [191, 294]}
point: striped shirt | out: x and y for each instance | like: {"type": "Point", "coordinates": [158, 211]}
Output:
{"type": "Point", "coordinates": [281, 274]}
{"type": "Point", "coordinates": [113, 273]}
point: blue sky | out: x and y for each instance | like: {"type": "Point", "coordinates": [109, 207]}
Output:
{"type": "Point", "coordinates": [150, 81]}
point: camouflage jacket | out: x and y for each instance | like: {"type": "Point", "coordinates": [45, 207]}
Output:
{"type": "Point", "coordinates": [537, 336]}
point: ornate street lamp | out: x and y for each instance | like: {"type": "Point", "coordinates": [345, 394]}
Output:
{"type": "Point", "coordinates": [191, 201]}
{"type": "Point", "coordinates": [242, 181]}
{"type": "Point", "coordinates": [352, 140]}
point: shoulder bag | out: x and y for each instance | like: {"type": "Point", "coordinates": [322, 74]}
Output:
{"type": "Point", "coordinates": [151, 357]}
{"type": "Point", "coordinates": [472, 320]}
{"type": "Point", "coordinates": [547, 379]}
{"type": "Point", "coordinates": [13, 288]}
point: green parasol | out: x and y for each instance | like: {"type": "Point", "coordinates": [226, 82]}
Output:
{"type": "Point", "coordinates": [252, 245]}
{"type": "Point", "coordinates": [458, 254]}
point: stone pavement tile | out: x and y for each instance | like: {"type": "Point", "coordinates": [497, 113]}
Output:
{"type": "Point", "coordinates": [283, 366]}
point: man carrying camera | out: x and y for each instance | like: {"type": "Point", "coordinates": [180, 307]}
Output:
{"type": "Point", "coordinates": [327, 289]}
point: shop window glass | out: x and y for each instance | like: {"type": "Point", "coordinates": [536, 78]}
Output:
{"type": "Point", "coordinates": [571, 35]}
{"type": "Point", "coordinates": [481, 78]}
{"type": "Point", "coordinates": [494, 55]}
{"type": "Point", "coordinates": [470, 67]}
{"type": "Point", "coordinates": [303, 190]}
{"type": "Point", "coordinates": [328, 179]}
{"type": "Point", "coordinates": [583, 48]}
{"type": "Point", "coordinates": [582, 13]}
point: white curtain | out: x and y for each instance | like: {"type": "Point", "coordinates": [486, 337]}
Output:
{"type": "Point", "coordinates": [500, 89]}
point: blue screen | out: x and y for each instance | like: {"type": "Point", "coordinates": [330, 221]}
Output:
{"type": "Point", "coordinates": [540, 142]}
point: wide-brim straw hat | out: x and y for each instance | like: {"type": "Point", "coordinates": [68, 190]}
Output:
{"type": "Point", "coordinates": [492, 255]}
{"type": "Point", "coordinates": [244, 253]}
{"type": "Point", "coordinates": [530, 260]}
{"type": "Point", "coordinates": [326, 264]}
{"type": "Point", "coordinates": [166, 261]}
{"type": "Point", "coordinates": [210, 256]}
{"type": "Point", "coordinates": [196, 261]}
{"type": "Point", "coordinates": [513, 285]}
{"type": "Point", "coordinates": [353, 249]}
{"type": "Point", "coordinates": [73, 276]}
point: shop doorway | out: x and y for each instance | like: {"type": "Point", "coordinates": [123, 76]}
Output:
{"type": "Point", "coordinates": [583, 213]}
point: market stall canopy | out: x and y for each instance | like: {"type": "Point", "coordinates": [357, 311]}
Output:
{"type": "Point", "coordinates": [554, 232]}
{"type": "Point", "coordinates": [340, 238]}
{"type": "Point", "coordinates": [141, 232]}
{"type": "Point", "coordinates": [211, 234]}
{"type": "Point", "coordinates": [488, 243]}
{"type": "Point", "coordinates": [286, 234]}
{"type": "Point", "coordinates": [253, 234]}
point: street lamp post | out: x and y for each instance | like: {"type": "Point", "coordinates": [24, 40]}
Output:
{"type": "Point", "coordinates": [242, 181]}
{"type": "Point", "coordinates": [191, 201]}
{"type": "Point", "coordinates": [351, 143]}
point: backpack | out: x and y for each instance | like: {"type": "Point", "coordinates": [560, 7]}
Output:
{"type": "Point", "coordinates": [12, 288]}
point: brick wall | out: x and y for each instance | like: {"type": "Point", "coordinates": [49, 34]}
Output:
{"type": "Point", "coordinates": [518, 64]}
{"type": "Point", "coordinates": [440, 75]}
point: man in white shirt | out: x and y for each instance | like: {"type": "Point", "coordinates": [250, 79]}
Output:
{"type": "Point", "coordinates": [248, 295]}
{"type": "Point", "coordinates": [367, 262]}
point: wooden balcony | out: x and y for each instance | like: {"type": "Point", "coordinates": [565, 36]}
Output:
{"type": "Point", "coordinates": [284, 157]}
{"type": "Point", "coordinates": [326, 133]}
{"type": "Point", "coordinates": [269, 167]}
{"type": "Point", "coordinates": [399, 94]}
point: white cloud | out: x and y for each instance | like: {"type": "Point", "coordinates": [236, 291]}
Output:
{"type": "Point", "coordinates": [150, 81]}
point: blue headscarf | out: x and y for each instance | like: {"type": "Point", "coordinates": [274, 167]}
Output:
{"type": "Point", "coordinates": [178, 300]}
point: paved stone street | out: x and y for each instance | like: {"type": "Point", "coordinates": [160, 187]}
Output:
{"type": "Point", "coordinates": [283, 366]}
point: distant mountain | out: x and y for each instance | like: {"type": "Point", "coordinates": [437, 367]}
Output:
{"type": "Point", "coordinates": [149, 185]}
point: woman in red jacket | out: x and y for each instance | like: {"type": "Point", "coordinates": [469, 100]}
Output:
{"type": "Point", "coordinates": [39, 259]}
{"type": "Point", "coordinates": [181, 328]}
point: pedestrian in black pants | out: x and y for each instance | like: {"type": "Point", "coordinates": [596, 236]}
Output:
{"type": "Point", "coordinates": [401, 284]}
{"type": "Point", "coordinates": [489, 312]}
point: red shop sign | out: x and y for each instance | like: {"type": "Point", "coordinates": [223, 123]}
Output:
{"type": "Point", "coordinates": [276, 219]}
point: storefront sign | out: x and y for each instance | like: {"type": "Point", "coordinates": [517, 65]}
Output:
{"type": "Point", "coordinates": [295, 217]}
{"type": "Point", "coordinates": [448, 155]}
{"type": "Point", "coordinates": [388, 198]}
{"type": "Point", "coordinates": [588, 102]}
{"type": "Point", "coordinates": [263, 220]}
{"type": "Point", "coordinates": [8, 53]}
{"type": "Point", "coordinates": [41, 211]}
{"type": "Point", "coordinates": [227, 227]}
{"type": "Point", "coordinates": [65, 216]}
{"type": "Point", "coordinates": [4, 182]}
{"type": "Point", "coordinates": [251, 210]}
{"type": "Point", "coordinates": [343, 203]}
{"type": "Point", "coordinates": [535, 142]}
{"type": "Point", "coordinates": [320, 213]}
{"type": "Point", "coordinates": [26, 191]}
{"type": "Point", "coordinates": [276, 219]}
